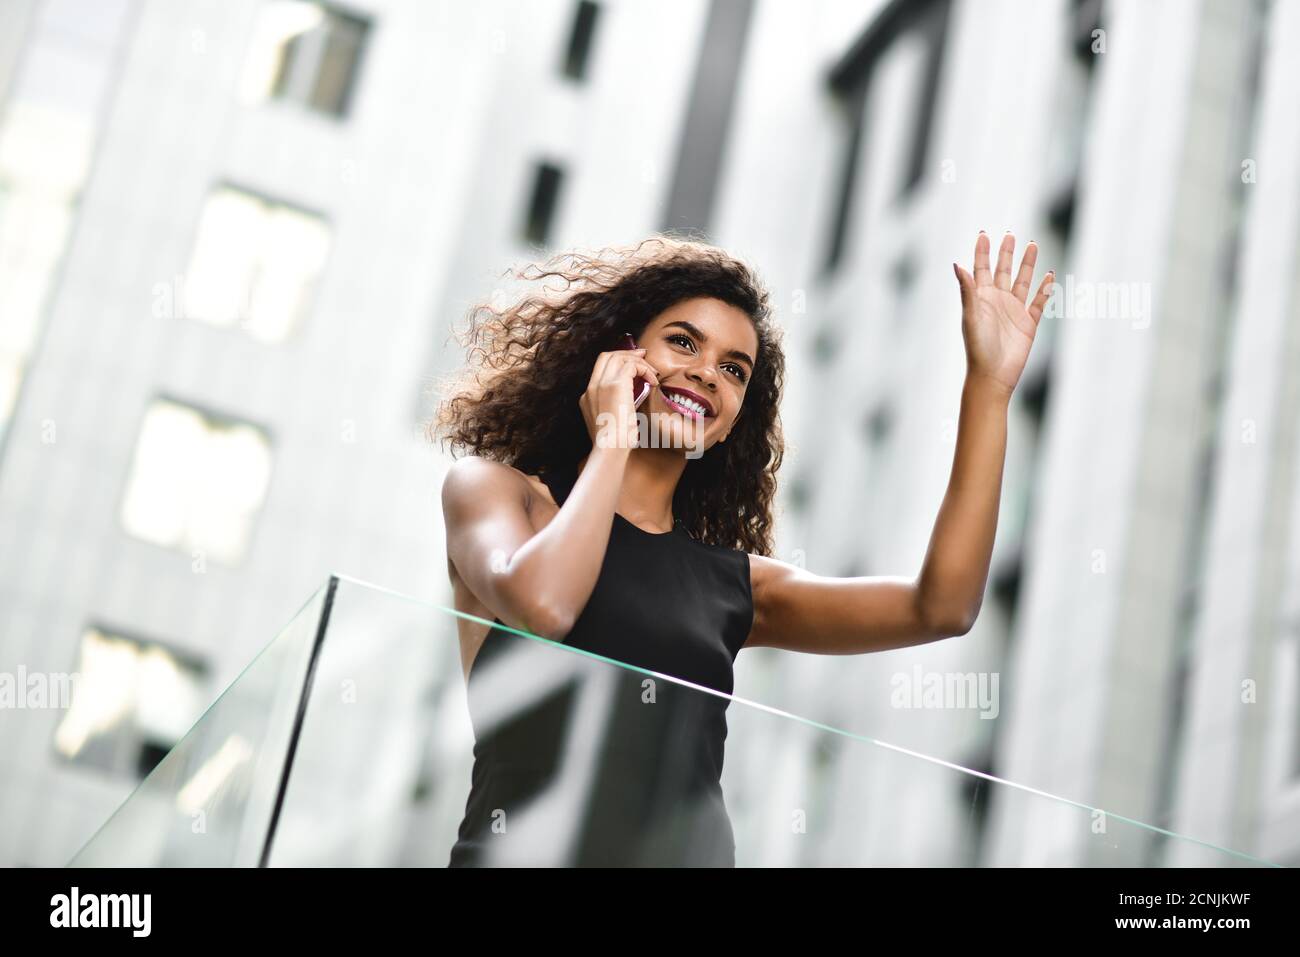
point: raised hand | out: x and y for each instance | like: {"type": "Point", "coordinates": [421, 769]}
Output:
{"type": "Point", "coordinates": [996, 325]}
{"type": "Point", "coordinates": [607, 404]}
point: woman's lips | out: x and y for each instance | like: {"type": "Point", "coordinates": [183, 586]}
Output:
{"type": "Point", "coordinates": [680, 408]}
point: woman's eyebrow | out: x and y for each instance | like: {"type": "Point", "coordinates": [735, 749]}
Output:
{"type": "Point", "coordinates": [693, 330]}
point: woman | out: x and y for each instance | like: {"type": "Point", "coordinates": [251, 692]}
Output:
{"type": "Point", "coordinates": [574, 521]}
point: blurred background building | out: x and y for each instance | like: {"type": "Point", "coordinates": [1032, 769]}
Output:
{"type": "Point", "coordinates": [234, 237]}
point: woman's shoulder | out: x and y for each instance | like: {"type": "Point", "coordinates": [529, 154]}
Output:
{"type": "Point", "coordinates": [473, 476]}
{"type": "Point", "coordinates": [472, 471]}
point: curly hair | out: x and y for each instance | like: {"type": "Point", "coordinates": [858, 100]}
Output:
{"type": "Point", "coordinates": [516, 400]}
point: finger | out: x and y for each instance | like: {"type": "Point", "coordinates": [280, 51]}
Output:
{"type": "Point", "coordinates": [967, 283]}
{"type": "Point", "coordinates": [612, 369]}
{"type": "Point", "coordinates": [598, 370]}
{"type": "Point", "coordinates": [1002, 275]}
{"type": "Point", "coordinates": [646, 371]}
{"type": "Point", "coordinates": [1044, 293]}
{"type": "Point", "coordinates": [982, 275]}
{"type": "Point", "coordinates": [1026, 275]}
{"type": "Point", "coordinates": [625, 365]}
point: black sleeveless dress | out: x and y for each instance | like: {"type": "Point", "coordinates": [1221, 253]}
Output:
{"type": "Point", "coordinates": [628, 775]}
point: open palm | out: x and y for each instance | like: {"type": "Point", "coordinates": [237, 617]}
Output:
{"type": "Point", "coordinates": [996, 324]}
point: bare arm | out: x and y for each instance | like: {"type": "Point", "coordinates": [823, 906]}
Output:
{"type": "Point", "coordinates": [536, 581]}
{"type": "Point", "coordinates": [539, 581]}
{"type": "Point", "coordinates": [797, 610]}
{"type": "Point", "coordinates": [800, 611]}
{"type": "Point", "coordinates": [950, 588]}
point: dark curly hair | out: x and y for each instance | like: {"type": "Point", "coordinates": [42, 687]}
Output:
{"type": "Point", "coordinates": [516, 401]}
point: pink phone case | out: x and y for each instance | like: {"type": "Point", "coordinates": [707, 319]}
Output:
{"type": "Point", "coordinates": [640, 386]}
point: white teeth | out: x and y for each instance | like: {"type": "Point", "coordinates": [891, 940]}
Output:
{"type": "Point", "coordinates": [691, 404]}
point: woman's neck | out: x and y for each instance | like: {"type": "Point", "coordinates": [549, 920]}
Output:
{"type": "Point", "coordinates": [649, 481]}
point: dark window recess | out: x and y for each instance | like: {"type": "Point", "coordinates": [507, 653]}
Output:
{"type": "Point", "coordinates": [151, 752]}
{"type": "Point", "coordinates": [799, 493]}
{"type": "Point", "coordinates": [933, 26]}
{"type": "Point", "coordinates": [853, 107]}
{"type": "Point", "coordinates": [904, 273]}
{"type": "Point", "coordinates": [850, 79]}
{"type": "Point", "coordinates": [1006, 584]}
{"type": "Point", "coordinates": [976, 794]}
{"type": "Point", "coordinates": [1060, 212]}
{"type": "Point", "coordinates": [824, 344]}
{"type": "Point", "coordinates": [336, 76]}
{"type": "Point", "coordinates": [880, 423]}
{"type": "Point", "coordinates": [1086, 17]}
{"type": "Point", "coordinates": [1033, 396]}
{"type": "Point", "coordinates": [541, 207]}
{"type": "Point", "coordinates": [578, 54]}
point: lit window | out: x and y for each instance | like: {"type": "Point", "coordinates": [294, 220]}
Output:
{"type": "Point", "coordinates": [255, 264]}
{"type": "Point", "coordinates": [306, 53]}
{"type": "Point", "coordinates": [196, 482]}
{"type": "Point", "coordinates": [44, 156]}
{"type": "Point", "coordinates": [132, 701]}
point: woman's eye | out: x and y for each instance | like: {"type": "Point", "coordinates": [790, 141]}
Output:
{"type": "Point", "coordinates": [739, 371]}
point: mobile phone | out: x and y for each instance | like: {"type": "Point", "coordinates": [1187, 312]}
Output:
{"type": "Point", "coordinates": [640, 386]}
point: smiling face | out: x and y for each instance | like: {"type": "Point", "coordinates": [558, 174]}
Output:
{"type": "Point", "coordinates": [704, 352]}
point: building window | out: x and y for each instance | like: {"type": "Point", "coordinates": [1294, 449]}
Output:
{"type": "Point", "coordinates": [541, 207]}
{"type": "Point", "coordinates": [196, 483]}
{"type": "Point", "coordinates": [850, 81]}
{"type": "Point", "coordinates": [879, 424]}
{"type": "Point", "coordinates": [133, 700]}
{"type": "Point", "coordinates": [44, 158]}
{"type": "Point", "coordinates": [800, 494]}
{"type": "Point", "coordinates": [578, 53]}
{"type": "Point", "coordinates": [305, 53]}
{"type": "Point", "coordinates": [903, 280]}
{"type": "Point", "coordinates": [932, 26]}
{"type": "Point", "coordinates": [826, 343]}
{"type": "Point", "coordinates": [1073, 102]}
{"type": "Point", "coordinates": [853, 108]}
{"type": "Point", "coordinates": [255, 264]}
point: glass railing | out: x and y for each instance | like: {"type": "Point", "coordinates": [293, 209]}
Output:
{"type": "Point", "coordinates": [354, 739]}
{"type": "Point", "coordinates": [213, 799]}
